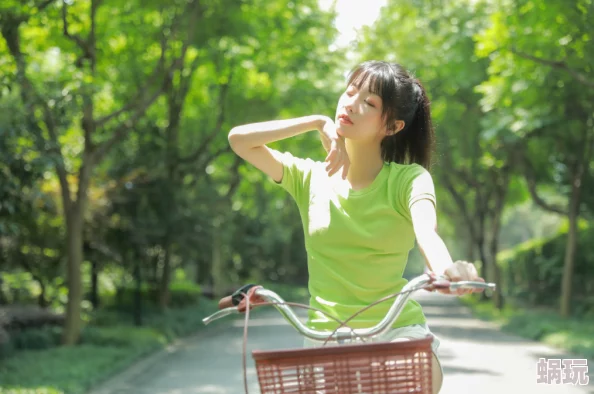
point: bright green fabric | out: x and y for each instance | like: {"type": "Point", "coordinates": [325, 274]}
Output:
{"type": "Point", "coordinates": [357, 242]}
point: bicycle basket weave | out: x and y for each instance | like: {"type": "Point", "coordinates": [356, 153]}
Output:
{"type": "Point", "coordinates": [375, 368]}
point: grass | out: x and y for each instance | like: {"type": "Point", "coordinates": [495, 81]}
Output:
{"type": "Point", "coordinates": [105, 349]}
{"type": "Point", "coordinates": [65, 370]}
{"type": "Point", "coordinates": [572, 334]}
{"type": "Point", "coordinates": [109, 345]}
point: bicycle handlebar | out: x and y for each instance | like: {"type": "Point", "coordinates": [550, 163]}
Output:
{"type": "Point", "coordinates": [232, 304]}
{"type": "Point", "coordinates": [226, 302]}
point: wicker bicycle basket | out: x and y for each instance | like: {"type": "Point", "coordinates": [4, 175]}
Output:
{"type": "Point", "coordinates": [374, 368]}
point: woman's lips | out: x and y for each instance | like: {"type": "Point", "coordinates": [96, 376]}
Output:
{"type": "Point", "coordinates": [344, 119]}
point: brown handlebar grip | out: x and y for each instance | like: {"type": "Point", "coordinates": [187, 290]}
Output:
{"type": "Point", "coordinates": [226, 302]}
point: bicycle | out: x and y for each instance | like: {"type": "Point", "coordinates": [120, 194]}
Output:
{"type": "Point", "coordinates": [356, 366]}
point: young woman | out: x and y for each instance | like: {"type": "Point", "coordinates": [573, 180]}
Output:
{"type": "Point", "coordinates": [363, 208]}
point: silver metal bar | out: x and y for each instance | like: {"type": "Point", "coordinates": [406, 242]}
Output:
{"type": "Point", "coordinates": [290, 316]}
{"type": "Point", "coordinates": [220, 314]}
{"type": "Point", "coordinates": [471, 285]}
{"type": "Point", "coordinates": [346, 334]}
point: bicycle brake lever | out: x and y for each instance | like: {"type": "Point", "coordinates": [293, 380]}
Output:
{"type": "Point", "coordinates": [469, 284]}
{"type": "Point", "coordinates": [220, 314]}
{"type": "Point", "coordinates": [442, 282]}
{"type": "Point", "coordinates": [437, 282]}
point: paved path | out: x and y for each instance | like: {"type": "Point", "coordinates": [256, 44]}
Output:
{"type": "Point", "coordinates": [476, 356]}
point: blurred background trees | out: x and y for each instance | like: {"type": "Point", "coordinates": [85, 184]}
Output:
{"type": "Point", "coordinates": [118, 189]}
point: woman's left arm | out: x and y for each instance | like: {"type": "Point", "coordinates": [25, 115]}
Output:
{"type": "Point", "coordinates": [437, 256]}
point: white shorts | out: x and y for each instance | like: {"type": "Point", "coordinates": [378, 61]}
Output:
{"type": "Point", "coordinates": [415, 331]}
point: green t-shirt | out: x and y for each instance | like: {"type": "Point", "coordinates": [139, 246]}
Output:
{"type": "Point", "coordinates": [357, 242]}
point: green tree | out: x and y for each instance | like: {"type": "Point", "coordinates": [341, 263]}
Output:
{"type": "Point", "coordinates": [474, 168]}
{"type": "Point", "coordinates": [67, 87]}
{"type": "Point", "coordinates": [541, 81]}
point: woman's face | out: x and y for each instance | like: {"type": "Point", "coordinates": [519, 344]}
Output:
{"type": "Point", "coordinates": [359, 114]}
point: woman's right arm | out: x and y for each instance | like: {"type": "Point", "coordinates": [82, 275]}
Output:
{"type": "Point", "coordinates": [249, 142]}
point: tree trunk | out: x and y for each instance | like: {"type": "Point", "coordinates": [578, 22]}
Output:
{"type": "Point", "coordinates": [204, 269]}
{"type": "Point", "coordinates": [94, 296]}
{"type": "Point", "coordinates": [500, 192]}
{"type": "Point", "coordinates": [286, 254]}
{"type": "Point", "coordinates": [74, 242]}
{"type": "Point", "coordinates": [479, 238]}
{"type": "Point", "coordinates": [137, 293]}
{"type": "Point", "coordinates": [480, 243]}
{"type": "Point", "coordinates": [218, 270]}
{"type": "Point", "coordinates": [3, 297]}
{"type": "Point", "coordinates": [471, 247]}
{"type": "Point", "coordinates": [496, 274]}
{"type": "Point", "coordinates": [165, 276]}
{"type": "Point", "coordinates": [570, 248]}
{"type": "Point", "coordinates": [75, 216]}
{"type": "Point", "coordinates": [42, 299]}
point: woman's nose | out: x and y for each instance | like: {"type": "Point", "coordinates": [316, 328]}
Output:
{"type": "Point", "coordinates": [349, 104]}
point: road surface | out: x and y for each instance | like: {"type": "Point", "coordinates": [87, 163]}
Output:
{"type": "Point", "coordinates": [476, 357]}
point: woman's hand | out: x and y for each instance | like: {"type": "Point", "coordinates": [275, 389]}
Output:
{"type": "Point", "coordinates": [462, 271]}
{"type": "Point", "coordinates": [337, 157]}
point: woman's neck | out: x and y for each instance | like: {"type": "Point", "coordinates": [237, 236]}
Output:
{"type": "Point", "coordinates": [366, 163]}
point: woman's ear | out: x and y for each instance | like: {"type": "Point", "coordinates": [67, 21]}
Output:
{"type": "Point", "coordinates": [395, 128]}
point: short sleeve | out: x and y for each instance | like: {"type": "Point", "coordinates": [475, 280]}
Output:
{"type": "Point", "coordinates": [417, 185]}
{"type": "Point", "coordinates": [296, 177]}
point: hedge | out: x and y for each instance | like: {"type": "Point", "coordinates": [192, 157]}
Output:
{"type": "Point", "coordinates": [532, 272]}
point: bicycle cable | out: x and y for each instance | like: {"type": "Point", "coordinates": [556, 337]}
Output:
{"type": "Point", "coordinates": [296, 304]}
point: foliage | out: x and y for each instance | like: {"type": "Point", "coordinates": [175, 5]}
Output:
{"type": "Point", "coordinates": [181, 295]}
{"type": "Point", "coordinates": [102, 352]}
{"type": "Point", "coordinates": [128, 106]}
{"type": "Point", "coordinates": [64, 369]}
{"type": "Point", "coordinates": [533, 270]}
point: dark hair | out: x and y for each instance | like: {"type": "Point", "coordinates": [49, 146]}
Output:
{"type": "Point", "coordinates": [403, 98]}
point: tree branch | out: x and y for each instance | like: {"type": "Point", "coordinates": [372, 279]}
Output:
{"type": "Point", "coordinates": [531, 182]}
{"type": "Point", "coordinates": [152, 80]}
{"type": "Point", "coordinates": [579, 76]}
{"type": "Point", "coordinates": [124, 128]}
{"type": "Point", "coordinates": [185, 82]}
{"type": "Point", "coordinates": [208, 158]}
{"type": "Point", "coordinates": [216, 130]}
{"type": "Point", "coordinates": [235, 178]}
{"type": "Point", "coordinates": [32, 102]}
{"type": "Point", "coordinates": [82, 44]}
{"type": "Point", "coordinates": [201, 166]}
{"type": "Point", "coordinates": [44, 4]}
{"type": "Point", "coordinates": [144, 101]}
{"type": "Point", "coordinates": [459, 200]}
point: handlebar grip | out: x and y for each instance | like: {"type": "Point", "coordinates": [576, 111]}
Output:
{"type": "Point", "coordinates": [226, 302]}
{"type": "Point", "coordinates": [235, 298]}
